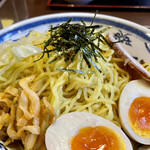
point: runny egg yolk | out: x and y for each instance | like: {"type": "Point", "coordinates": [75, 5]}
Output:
{"type": "Point", "coordinates": [97, 138]}
{"type": "Point", "coordinates": [139, 116]}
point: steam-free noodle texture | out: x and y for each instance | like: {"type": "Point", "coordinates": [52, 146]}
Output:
{"type": "Point", "coordinates": [40, 87]}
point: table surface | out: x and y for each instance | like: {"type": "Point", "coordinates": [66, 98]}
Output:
{"type": "Point", "coordinates": [39, 7]}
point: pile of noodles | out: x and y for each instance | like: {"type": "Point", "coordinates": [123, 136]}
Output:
{"type": "Point", "coordinates": [34, 93]}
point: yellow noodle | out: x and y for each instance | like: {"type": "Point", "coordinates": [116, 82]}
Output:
{"type": "Point", "coordinates": [40, 85]}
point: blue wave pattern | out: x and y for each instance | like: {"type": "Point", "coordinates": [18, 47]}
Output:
{"type": "Point", "coordinates": [147, 46]}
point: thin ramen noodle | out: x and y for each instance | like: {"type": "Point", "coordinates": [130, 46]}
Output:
{"type": "Point", "coordinates": [34, 93]}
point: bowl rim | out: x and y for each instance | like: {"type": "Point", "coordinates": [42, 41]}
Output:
{"type": "Point", "coordinates": [135, 26]}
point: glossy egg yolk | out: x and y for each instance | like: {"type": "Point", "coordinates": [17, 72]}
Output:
{"type": "Point", "coordinates": [97, 138]}
{"type": "Point", "coordinates": [139, 116]}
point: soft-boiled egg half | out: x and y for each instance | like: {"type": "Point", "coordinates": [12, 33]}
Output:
{"type": "Point", "coordinates": [85, 131]}
{"type": "Point", "coordinates": [134, 110]}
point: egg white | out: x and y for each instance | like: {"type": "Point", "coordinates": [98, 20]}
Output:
{"type": "Point", "coordinates": [59, 134]}
{"type": "Point", "coordinates": [132, 90]}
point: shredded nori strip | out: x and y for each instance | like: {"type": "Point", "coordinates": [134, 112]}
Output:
{"type": "Point", "coordinates": [68, 39]}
